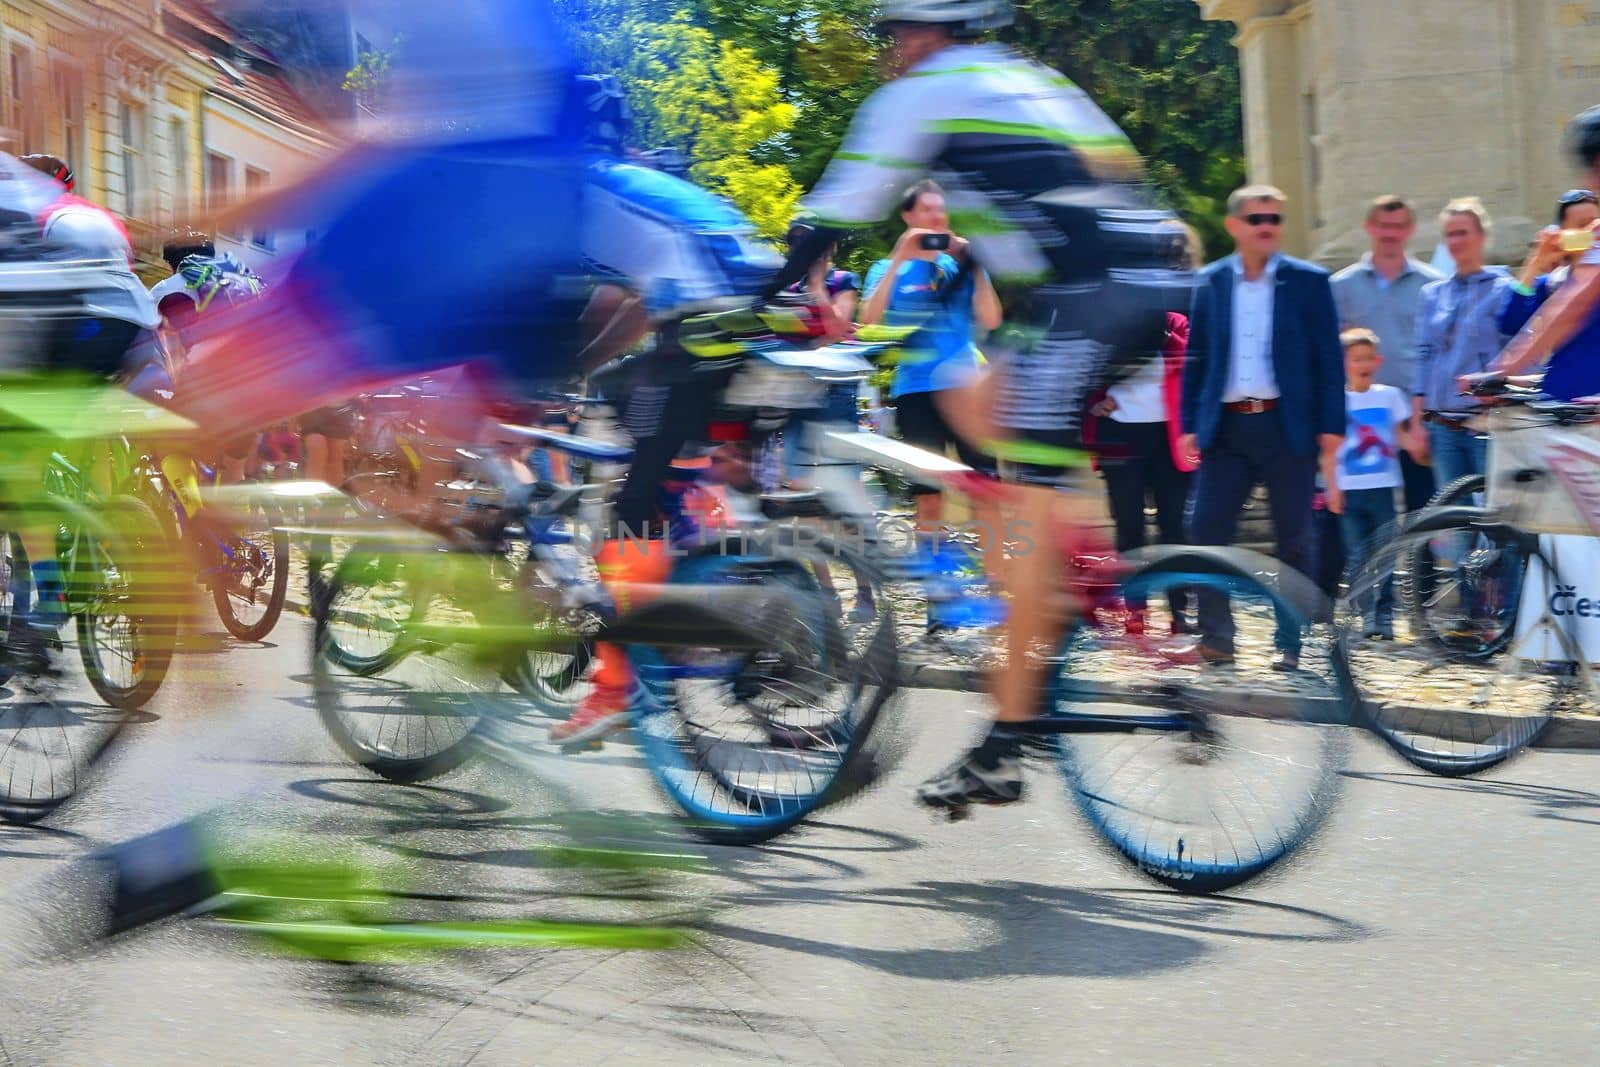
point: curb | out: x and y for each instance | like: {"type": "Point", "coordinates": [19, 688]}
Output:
{"type": "Point", "coordinates": [1563, 732]}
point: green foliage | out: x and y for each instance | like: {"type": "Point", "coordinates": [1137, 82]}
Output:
{"type": "Point", "coordinates": [369, 78]}
{"type": "Point", "coordinates": [1167, 77]}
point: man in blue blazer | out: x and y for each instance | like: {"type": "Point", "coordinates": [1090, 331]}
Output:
{"type": "Point", "coordinates": [1263, 399]}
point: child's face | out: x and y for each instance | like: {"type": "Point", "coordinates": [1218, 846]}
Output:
{"type": "Point", "coordinates": [1361, 362]}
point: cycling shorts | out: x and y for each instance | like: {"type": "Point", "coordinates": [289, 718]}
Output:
{"type": "Point", "coordinates": [921, 423]}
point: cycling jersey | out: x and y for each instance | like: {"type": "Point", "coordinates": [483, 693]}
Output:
{"type": "Point", "coordinates": [1046, 188]}
{"type": "Point", "coordinates": [680, 248]}
{"type": "Point", "coordinates": [94, 237]}
{"type": "Point", "coordinates": [1574, 369]}
{"type": "Point", "coordinates": [207, 282]}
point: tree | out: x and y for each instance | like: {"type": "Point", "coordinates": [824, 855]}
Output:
{"type": "Point", "coordinates": [1167, 77]}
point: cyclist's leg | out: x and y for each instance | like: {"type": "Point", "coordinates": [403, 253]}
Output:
{"type": "Point", "coordinates": [969, 424]}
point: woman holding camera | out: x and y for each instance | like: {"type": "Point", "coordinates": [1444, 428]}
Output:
{"type": "Point", "coordinates": [930, 282]}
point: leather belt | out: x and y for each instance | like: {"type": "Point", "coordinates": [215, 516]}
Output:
{"type": "Point", "coordinates": [1452, 422]}
{"type": "Point", "coordinates": [1251, 406]}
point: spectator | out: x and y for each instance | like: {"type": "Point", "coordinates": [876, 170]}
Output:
{"type": "Point", "coordinates": [1362, 477]}
{"type": "Point", "coordinates": [1567, 332]}
{"type": "Point", "coordinates": [944, 292]}
{"type": "Point", "coordinates": [1458, 333]}
{"type": "Point", "coordinates": [1263, 395]}
{"type": "Point", "coordinates": [1381, 292]}
{"type": "Point", "coordinates": [1137, 425]}
{"type": "Point", "coordinates": [1548, 264]}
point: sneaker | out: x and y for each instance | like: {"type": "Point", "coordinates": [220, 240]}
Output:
{"type": "Point", "coordinates": [604, 710]}
{"type": "Point", "coordinates": [989, 774]}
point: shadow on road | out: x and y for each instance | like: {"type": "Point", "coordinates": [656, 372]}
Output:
{"type": "Point", "coordinates": [1548, 801]}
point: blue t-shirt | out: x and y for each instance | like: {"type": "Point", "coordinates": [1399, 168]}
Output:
{"type": "Point", "coordinates": [937, 295]}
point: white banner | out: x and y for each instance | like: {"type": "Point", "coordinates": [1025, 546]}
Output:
{"type": "Point", "coordinates": [1572, 602]}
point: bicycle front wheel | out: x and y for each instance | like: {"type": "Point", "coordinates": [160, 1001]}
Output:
{"type": "Point", "coordinates": [1477, 677]}
{"type": "Point", "coordinates": [251, 582]}
{"type": "Point", "coordinates": [1203, 775]}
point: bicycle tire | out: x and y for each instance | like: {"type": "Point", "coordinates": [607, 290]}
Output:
{"type": "Point", "coordinates": [405, 712]}
{"type": "Point", "coordinates": [737, 779]}
{"type": "Point", "coordinates": [151, 590]}
{"type": "Point", "coordinates": [277, 559]}
{"type": "Point", "coordinates": [1219, 785]}
{"type": "Point", "coordinates": [1460, 702]}
{"type": "Point", "coordinates": [1416, 584]}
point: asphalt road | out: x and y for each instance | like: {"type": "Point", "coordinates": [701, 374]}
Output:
{"type": "Point", "coordinates": [1432, 922]}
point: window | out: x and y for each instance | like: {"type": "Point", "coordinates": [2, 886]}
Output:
{"type": "Point", "coordinates": [255, 184]}
{"type": "Point", "coordinates": [131, 129]}
{"type": "Point", "coordinates": [66, 86]}
{"type": "Point", "coordinates": [23, 109]}
{"type": "Point", "coordinates": [178, 152]}
{"type": "Point", "coordinates": [219, 184]}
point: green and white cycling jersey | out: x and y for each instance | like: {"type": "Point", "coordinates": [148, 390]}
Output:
{"type": "Point", "coordinates": [1049, 192]}
{"type": "Point", "coordinates": [1015, 144]}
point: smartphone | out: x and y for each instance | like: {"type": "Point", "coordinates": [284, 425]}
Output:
{"type": "Point", "coordinates": [1571, 240]}
{"type": "Point", "coordinates": [940, 242]}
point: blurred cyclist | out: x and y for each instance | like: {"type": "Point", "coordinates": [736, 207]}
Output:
{"type": "Point", "coordinates": [1049, 188]}
{"type": "Point", "coordinates": [664, 249]}
{"type": "Point", "coordinates": [118, 308]}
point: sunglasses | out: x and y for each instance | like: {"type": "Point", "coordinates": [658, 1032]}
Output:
{"type": "Point", "coordinates": [1263, 219]}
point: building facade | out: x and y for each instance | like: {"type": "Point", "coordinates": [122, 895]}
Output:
{"type": "Point", "coordinates": [1345, 100]}
{"type": "Point", "coordinates": [164, 112]}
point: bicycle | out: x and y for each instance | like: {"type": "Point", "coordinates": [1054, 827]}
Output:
{"type": "Point", "coordinates": [1493, 656]}
{"type": "Point", "coordinates": [746, 729]}
{"type": "Point", "coordinates": [1199, 778]}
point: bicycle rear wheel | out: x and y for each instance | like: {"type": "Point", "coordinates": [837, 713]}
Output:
{"type": "Point", "coordinates": [748, 744]}
{"type": "Point", "coordinates": [1202, 777]}
{"type": "Point", "coordinates": [251, 581]}
{"type": "Point", "coordinates": [402, 682]}
{"type": "Point", "coordinates": [1474, 681]}
{"type": "Point", "coordinates": [129, 592]}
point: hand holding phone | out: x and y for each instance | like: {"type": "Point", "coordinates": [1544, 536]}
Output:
{"type": "Point", "coordinates": [940, 242]}
{"type": "Point", "coordinates": [1577, 240]}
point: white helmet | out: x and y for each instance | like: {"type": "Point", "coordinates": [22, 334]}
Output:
{"type": "Point", "coordinates": [966, 18]}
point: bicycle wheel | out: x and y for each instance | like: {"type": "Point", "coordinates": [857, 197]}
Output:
{"type": "Point", "coordinates": [127, 590]}
{"type": "Point", "coordinates": [251, 581]}
{"type": "Point", "coordinates": [1202, 776]}
{"type": "Point", "coordinates": [555, 679]}
{"type": "Point", "coordinates": [404, 671]}
{"type": "Point", "coordinates": [749, 743]}
{"type": "Point", "coordinates": [13, 569]}
{"type": "Point", "coordinates": [1476, 678]}
{"type": "Point", "coordinates": [1420, 573]}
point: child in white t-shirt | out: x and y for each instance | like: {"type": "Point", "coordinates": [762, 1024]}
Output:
{"type": "Point", "coordinates": [1362, 477]}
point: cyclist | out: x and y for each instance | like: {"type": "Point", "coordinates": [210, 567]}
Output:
{"type": "Point", "coordinates": [666, 249]}
{"type": "Point", "coordinates": [1049, 188]}
{"type": "Point", "coordinates": [117, 310]}
{"type": "Point", "coordinates": [200, 281]}
{"type": "Point", "coordinates": [1567, 329]}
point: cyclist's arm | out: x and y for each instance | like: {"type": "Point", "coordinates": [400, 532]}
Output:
{"type": "Point", "coordinates": [1564, 313]}
{"type": "Point", "coordinates": [886, 149]}
{"type": "Point", "coordinates": [613, 322]}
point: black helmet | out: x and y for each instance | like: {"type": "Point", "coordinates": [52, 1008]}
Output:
{"type": "Point", "coordinates": [183, 242]}
{"type": "Point", "coordinates": [53, 166]}
{"type": "Point", "coordinates": [798, 229]}
{"type": "Point", "coordinates": [1583, 135]}
{"type": "Point", "coordinates": [606, 115]}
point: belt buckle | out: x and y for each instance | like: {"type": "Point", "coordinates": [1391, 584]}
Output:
{"type": "Point", "coordinates": [1252, 406]}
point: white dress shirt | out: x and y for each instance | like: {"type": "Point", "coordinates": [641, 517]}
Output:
{"type": "Point", "coordinates": [1250, 374]}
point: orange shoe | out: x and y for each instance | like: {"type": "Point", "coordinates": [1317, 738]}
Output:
{"type": "Point", "coordinates": [603, 711]}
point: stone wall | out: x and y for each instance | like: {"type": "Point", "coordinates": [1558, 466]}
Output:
{"type": "Point", "coordinates": [1348, 99]}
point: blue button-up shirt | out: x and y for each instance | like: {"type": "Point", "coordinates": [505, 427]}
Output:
{"type": "Point", "coordinates": [1458, 332]}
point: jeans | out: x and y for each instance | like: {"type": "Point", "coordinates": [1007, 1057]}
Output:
{"type": "Point", "coordinates": [1456, 453]}
{"type": "Point", "coordinates": [1138, 464]}
{"type": "Point", "coordinates": [1367, 514]}
{"type": "Point", "coordinates": [1250, 449]}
